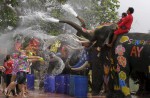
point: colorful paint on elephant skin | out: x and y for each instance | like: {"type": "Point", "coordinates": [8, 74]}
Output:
{"type": "Point", "coordinates": [55, 46]}
{"type": "Point", "coordinates": [122, 83]}
{"type": "Point", "coordinates": [120, 50]}
{"type": "Point", "coordinates": [118, 68]}
{"type": "Point", "coordinates": [139, 42]}
{"type": "Point", "coordinates": [124, 39]}
{"type": "Point", "coordinates": [149, 68]}
{"type": "Point", "coordinates": [136, 51]}
{"type": "Point", "coordinates": [116, 87]}
{"type": "Point", "coordinates": [122, 75]}
{"type": "Point", "coordinates": [125, 90]}
{"type": "Point", "coordinates": [106, 69]}
{"type": "Point", "coordinates": [122, 61]}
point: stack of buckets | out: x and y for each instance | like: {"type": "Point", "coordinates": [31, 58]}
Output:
{"type": "Point", "coordinates": [73, 85]}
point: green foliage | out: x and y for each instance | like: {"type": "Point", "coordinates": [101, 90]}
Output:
{"type": "Point", "coordinates": [8, 16]}
{"type": "Point", "coordinates": [101, 12]}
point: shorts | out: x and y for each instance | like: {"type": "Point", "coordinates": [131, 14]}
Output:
{"type": "Point", "coordinates": [21, 78]}
{"type": "Point", "coordinates": [121, 31]}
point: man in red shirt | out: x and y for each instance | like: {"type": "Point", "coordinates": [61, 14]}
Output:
{"type": "Point", "coordinates": [124, 26]}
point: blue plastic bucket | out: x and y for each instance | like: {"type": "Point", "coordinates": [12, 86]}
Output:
{"type": "Point", "coordinates": [67, 83]}
{"type": "Point", "coordinates": [30, 81]}
{"type": "Point", "coordinates": [78, 86]}
{"type": "Point", "coordinates": [71, 85]}
{"type": "Point", "coordinates": [49, 84]}
{"type": "Point", "coordinates": [81, 86]}
{"type": "Point", "coordinates": [60, 84]}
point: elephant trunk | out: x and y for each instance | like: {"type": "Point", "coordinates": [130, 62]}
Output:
{"type": "Point", "coordinates": [78, 28]}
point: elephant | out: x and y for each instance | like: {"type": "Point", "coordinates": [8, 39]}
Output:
{"type": "Point", "coordinates": [94, 61]}
{"type": "Point", "coordinates": [130, 53]}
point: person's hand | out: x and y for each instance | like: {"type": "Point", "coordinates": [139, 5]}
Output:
{"type": "Point", "coordinates": [41, 59]}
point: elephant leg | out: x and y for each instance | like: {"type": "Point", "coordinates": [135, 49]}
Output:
{"type": "Point", "coordinates": [97, 73]}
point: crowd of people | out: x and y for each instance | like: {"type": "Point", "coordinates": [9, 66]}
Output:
{"type": "Point", "coordinates": [14, 71]}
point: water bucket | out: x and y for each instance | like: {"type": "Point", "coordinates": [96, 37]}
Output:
{"type": "Point", "coordinates": [67, 83]}
{"type": "Point", "coordinates": [49, 84]}
{"type": "Point", "coordinates": [30, 81]}
{"type": "Point", "coordinates": [78, 86]}
{"type": "Point", "coordinates": [81, 86]}
{"type": "Point", "coordinates": [71, 85]}
{"type": "Point", "coordinates": [60, 84]}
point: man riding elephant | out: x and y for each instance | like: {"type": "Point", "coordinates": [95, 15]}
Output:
{"type": "Point", "coordinates": [124, 26]}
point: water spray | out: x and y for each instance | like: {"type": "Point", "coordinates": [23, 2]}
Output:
{"type": "Point", "coordinates": [69, 9]}
{"type": "Point", "coordinates": [45, 17]}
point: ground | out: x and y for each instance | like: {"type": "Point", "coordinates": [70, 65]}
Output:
{"type": "Point", "coordinates": [36, 94]}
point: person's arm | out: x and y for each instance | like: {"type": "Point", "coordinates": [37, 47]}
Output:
{"type": "Point", "coordinates": [1, 67]}
{"type": "Point", "coordinates": [5, 65]}
{"type": "Point", "coordinates": [33, 57]}
{"type": "Point", "coordinates": [126, 19]}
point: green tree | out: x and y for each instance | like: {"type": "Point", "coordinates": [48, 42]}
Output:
{"type": "Point", "coordinates": [8, 16]}
{"type": "Point", "coordinates": [97, 11]}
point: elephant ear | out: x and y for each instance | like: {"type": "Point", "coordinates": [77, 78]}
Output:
{"type": "Point", "coordinates": [110, 34]}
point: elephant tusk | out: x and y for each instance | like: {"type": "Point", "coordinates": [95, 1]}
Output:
{"type": "Point", "coordinates": [81, 67]}
{"type": "Point", "coordinates": [80, 38]}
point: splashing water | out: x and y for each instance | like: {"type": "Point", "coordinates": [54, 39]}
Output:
{"type": "Point", "coordinates": [47, 18]}
{"type": "Point", "coordinates": [51, 19]}
{"type": "Point", "coordinates": [69, 9]}
{"type": "Point", "coordinates": [30, 28]}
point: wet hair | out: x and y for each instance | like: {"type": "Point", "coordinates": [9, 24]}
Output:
{"type": "Point", "coordinates": [131, 9]}
{"type": "Point", "coordinates": [7, 58]}
{"type": "Point", "coordinates": [124, 14]}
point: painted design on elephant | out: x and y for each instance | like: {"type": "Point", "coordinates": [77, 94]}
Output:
{"type": "Point", "coordinates": [126, 90]}
{"type": "Point", "coordinates": [149, 68]}
{"type": "Point", "coordinates": [116, 87]}
{"type": "Point", "coordinates": [55, 46]}
{"type": "Point", "coordinates": [118, 68]}
{"type": "Point", "coordinates": [136, 51]}
{"type": "Point", "coordinates": [111, 60]}
{"type": "Point", "coordinates": [122, 75]}
{"type": "Point", "coordinates": [106, 69]}
{"type": "Point", "coordinates": [139, 42]}
{"type": "Point", "coordinates": [120, 50]}
{"type": "Point", "coordinates": [122, 61]}
{"type": "Point", "coordinates": [122, 83]}
{"type": "Point", "coordinates": [124, 39]}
